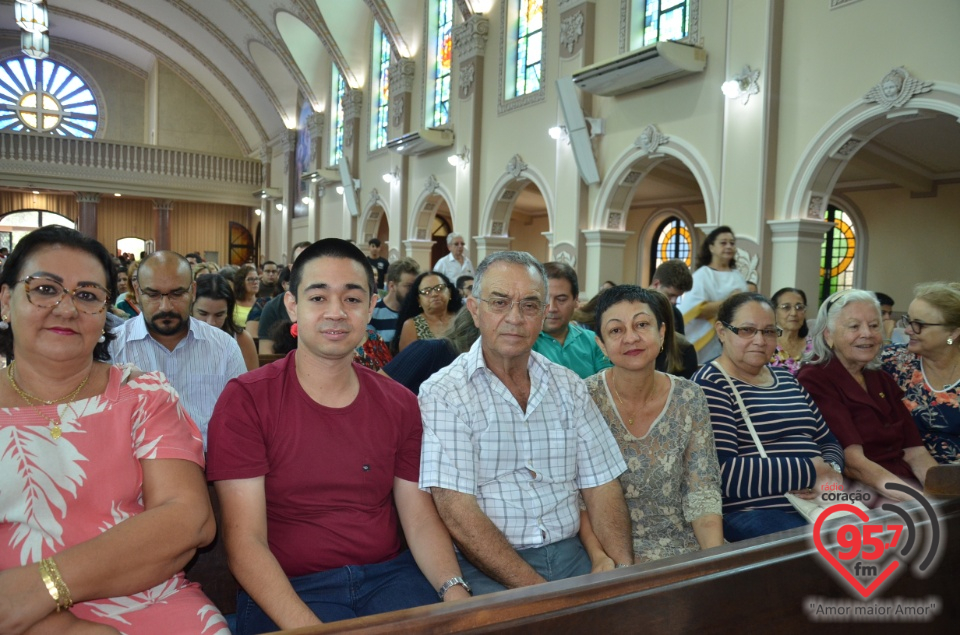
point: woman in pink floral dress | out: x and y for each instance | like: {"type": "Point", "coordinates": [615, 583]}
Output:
{"type": "Point", "coordinates": [102, 494]}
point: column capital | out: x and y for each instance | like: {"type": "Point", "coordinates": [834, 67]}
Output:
{"type": "Point", "coordinates": [352, 103]}
{"type": "Point", "coordinates": [402, 72]}
{"type": "Point", "coordinates": [606, 237]}
{"type": "Point", "coordinates": [798, 230]}
{"type": "Point", "coordinates": [163, 205]}
{"type": "Point", "coordinates": [88, 197]}
{"type": "Point", "coordinates": [470, 37]}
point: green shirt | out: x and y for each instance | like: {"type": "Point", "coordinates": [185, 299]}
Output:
{"type": "Point", "coordinates": [579, 351]}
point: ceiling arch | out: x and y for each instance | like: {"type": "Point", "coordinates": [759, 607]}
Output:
{"type": "Point", "coordinates": [308, 53]}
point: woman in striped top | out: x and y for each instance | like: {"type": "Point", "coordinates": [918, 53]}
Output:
{"type": "Point", "coordinates": [801, 455]}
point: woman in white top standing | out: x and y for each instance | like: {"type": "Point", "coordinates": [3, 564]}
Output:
{"type": "Point", "coordinates": [715, 279]}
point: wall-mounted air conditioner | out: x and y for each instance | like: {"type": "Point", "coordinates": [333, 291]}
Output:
{"type": "Point", "coordinates": [642, 68]}
{"type": "Point", "coordinates": [422, 141]}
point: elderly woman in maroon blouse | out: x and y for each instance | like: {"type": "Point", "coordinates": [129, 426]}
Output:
{"type": "Point", "coordinates": [862, 405]}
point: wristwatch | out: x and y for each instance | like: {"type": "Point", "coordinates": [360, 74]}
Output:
{"type": "Point", "coordinates": [449, 584]}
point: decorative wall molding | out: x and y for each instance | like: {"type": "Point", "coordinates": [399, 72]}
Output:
{"type": "Point", "coordinates": [470, 37]}
{"type": "Point", "coordinates": [467, 79]}
{"type": "Point", "coordinates": [88, 197]}
{"type": "Point", "coordinates": [431, 185]}
{"type": "Point", "coordinates": [566, 253]}
{"type": "Point", "coordinates": [398, 106]}
{"type": "Point", "coordinates": [515, 167]}
{"type": "Point", "coordinates": [896, 88]}
{"type": "Point", "coordinates": [402, 74]}
{"type": "Point", "coordinates": [571, 30]}
{"type": "Point", "coordinates": [352, 103]}
{"type": "Point", "coordinates": [650, 139]}
{"type": "Point", "coordinates": [836, 4]}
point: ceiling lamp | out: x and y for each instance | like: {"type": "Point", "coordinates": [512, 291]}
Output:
{"type": "Point", "coordinates": [32, 17]}
{"type": "Point", "coordinates": [35, 45]}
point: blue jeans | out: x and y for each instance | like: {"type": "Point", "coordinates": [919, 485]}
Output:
{"type": "Point", "coordinates": [759, 522]}
{"type": "Point", "coordinates": [347, 592]}
{"type": "Point", "coordinates": [557, 561]}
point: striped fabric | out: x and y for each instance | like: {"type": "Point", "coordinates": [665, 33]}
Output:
{"type": "Point", "coordinates": [790, 428]}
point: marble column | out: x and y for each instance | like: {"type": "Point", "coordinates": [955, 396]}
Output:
{"type": "Point", "coordinates": [87, 218]}
{"type": "Point", "coordinates": [161, 225]}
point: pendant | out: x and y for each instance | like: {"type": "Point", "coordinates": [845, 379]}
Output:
{"type": "Point", "coordinates": [55, 432]}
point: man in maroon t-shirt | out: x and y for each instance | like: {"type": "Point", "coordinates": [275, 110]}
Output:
{"type": "Point", "coordinates": [316, 459]}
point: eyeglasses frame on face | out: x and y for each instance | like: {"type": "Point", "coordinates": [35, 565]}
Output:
{"type": "Point", "coordinates": [744, 331]}
{"type": "Point", "coordinates": [177, 295]}
{"type": "Point", "coordinates": [540, 306]}
{"type": "Point", "coordinates": [63, 292]}
{"type": "Point", "coordinates": [438, 288]}
{"type": "Point", "coordinates": [799, 307]}
{"type": "Point", "coordinates": [916, 325]}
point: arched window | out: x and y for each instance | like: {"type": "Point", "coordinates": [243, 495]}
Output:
{"type": "Point", "coordinates": [20, 223]}
{"type": "Point", "coordinates": [837, 253]}
{"type": "Point", "coordinates": [439, 61]}
{"type": "Point", "coordinates": [381, 93]}
{"type": "Point", "coordinates": [339, 91]}
{"type": "Point", "coordinates": [47, 97]}
{"type": "Point", "coordinates": [529, 47]}
{"type": "Point", "coordinates": [652, 21]}
{"type": "Point", "coordinates": [671, 240]}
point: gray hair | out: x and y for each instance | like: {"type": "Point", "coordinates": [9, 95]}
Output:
{"type": "Point", "coordinates": [827, 319]}
{"type": "Point", "coordinates": [521, 258]}
{"type": "Point", "coordinates": [452, 236]}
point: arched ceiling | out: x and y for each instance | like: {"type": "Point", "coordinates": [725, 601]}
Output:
{"type": "Point", "coordinates": [247, 58]}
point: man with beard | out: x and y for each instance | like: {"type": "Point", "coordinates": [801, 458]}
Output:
{"type": "Point", "coordinates": [198, 359]}
{"type": "Point", "coordinates": [400, 277]}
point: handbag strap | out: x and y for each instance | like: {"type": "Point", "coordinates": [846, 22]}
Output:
{"type": "Point", "coordinates": [743, 409]}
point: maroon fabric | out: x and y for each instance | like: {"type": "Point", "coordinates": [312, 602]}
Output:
{"type": "Point", "coordinates": [329, 472]}
{"type": "Point", "coordinates": [875, 419]}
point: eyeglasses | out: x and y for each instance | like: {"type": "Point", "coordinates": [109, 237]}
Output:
{"type": "Point", "coordinates": [799, 306]}
{"type": "Point", "coordinates": [748, 332]}
{"type": "Point", "coordinates": [175, 296]}
{"type": "Point", "coordinates": [916, 325]}
{"type": "Point", "coordinates": [431, 290]}
{"type": "Point", "coordinates": [528, 308]}
{"type": "Point", "coordinates": [46, 292]}
{"type": "Point", "coordinates": [251, 280]}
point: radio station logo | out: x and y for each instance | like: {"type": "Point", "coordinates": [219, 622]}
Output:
{"type": "Point", "coordinates": [866, 556]}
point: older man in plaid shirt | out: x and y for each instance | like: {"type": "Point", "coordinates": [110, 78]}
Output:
{"type": "Point", "coordinates": [510, 441]}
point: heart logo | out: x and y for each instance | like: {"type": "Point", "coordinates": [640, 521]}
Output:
{"type": "Point", "coordinates": [864, 591]}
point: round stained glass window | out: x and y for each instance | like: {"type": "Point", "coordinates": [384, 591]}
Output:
{"type": "Point", "coordinates": [45, 96]}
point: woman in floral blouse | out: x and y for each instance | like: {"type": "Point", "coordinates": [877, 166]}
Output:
{"type": "Point", "coordinates": [794, 341]}
{"type": "Point", "coordinates": [928, 368]}
{"type": "Point", "coordinates": [662, 425]}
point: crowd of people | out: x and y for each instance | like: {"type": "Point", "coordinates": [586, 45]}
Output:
{"type": "Point", "coordinates": [424, 435]}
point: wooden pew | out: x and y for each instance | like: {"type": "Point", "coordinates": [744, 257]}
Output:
{"type": "Point", "coordinates": [943, 481]}
{"type": "Point", "coordinates": [756, 586]}
{"type": "Point", "coordinates": [268, 358]}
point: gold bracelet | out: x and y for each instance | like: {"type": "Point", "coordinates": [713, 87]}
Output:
{"type": "Point", "coordinates": [56, 587]}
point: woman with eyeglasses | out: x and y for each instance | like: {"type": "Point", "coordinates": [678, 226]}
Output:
{"type": "Point", "coordinates": [246, 283]}
{"type": "Point", "coordinates": [770, 436]}
{"type": "Point", "coordinates": [128, 301]}
{"type": "Point", "coordinates": [790, 305]}
{"type": "Point", "coordinates": [862, 404]}
{"type": "Point", "coordinates": [661, 423]}
{"type": "Point", "coordinates": [427, 311]}
{"type": "Point", "coordinates": [928, 368]}
{"type": "Point", "coordinates": [102, 493]}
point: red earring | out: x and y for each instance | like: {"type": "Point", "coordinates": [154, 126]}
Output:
{"type": "Point", "coordinates": [293, 329]}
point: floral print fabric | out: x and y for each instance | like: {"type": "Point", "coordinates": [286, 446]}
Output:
{"type": "Point", "coordinates": [781, 358]}
{"type": "Point", "coordinates": [55, 494]}
{"type": "Point", "coordinates": [672, 476]}
{"type": "Point", "coordinates": [936, 413]}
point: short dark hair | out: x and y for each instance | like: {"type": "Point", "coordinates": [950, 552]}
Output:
{"type": "Point", "coordinates": [194, 255]}
{"type": "Point", "coordinates": [47, 237]}
{"type": "Point", "coordinates": [704, 257]}
{"type": "Point", "coordinates": [775, 300]}
{"type": "Point", "coordinates": [268, 262]}
{"type": "Point", "coordinates": [213, 286]}
{"type": "Point", "coordinates": [729, 306]}
{"type": "Point", "coordinates": [883, 298]}
{"type": "Point", "coordinates": [303, 244]}
{"type": "Point", "coordinates": [399, 267]}
{"type": "Point", "coordinates": [633, 293]}
{"type": "Point", "coordinates": [331, 248]}
{"type": "Point", "coordinates": [374, 242]}
{"type": "Point", "coordinates": [563, 271]}
{"type": "Point", "coordinates": [462, 281]}
{"type": "Point", "coordinates": [674, 274]}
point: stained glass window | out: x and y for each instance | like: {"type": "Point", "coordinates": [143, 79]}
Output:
{"type": "Point", "coordinates": [443, 47]}
{"type": "Point", "coordinates": [529, 47]}
{"type": "Point", "coordinates": [656, 20]}
{"type": "Point", "coordinates": [671, 240]}
{"type": "Point", "coordinates": [339, 91]}
{"type": "Point", "coordinates": [381, 105]}
{"type": "Point", "coordinates": [837, 253]}
{"type": "Point", "coordinates": [45, 96]}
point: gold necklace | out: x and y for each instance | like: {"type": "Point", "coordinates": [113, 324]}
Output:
{"type": "Point", "coordinates": [26, 395]}
{"type": "Point", "coordinates": [55, 431]}
{"type": "Point", "coordinates": [620, 399]}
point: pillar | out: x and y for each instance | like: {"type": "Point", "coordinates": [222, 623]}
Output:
{"type": "Point", "coordinates": [161, 224]}
{"type": "Point", "coordinates": [604, 261]}
{"type": "Point", "coordinates": [87, 220]}
{"type": "Point", "coordinates": [795, 255]}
